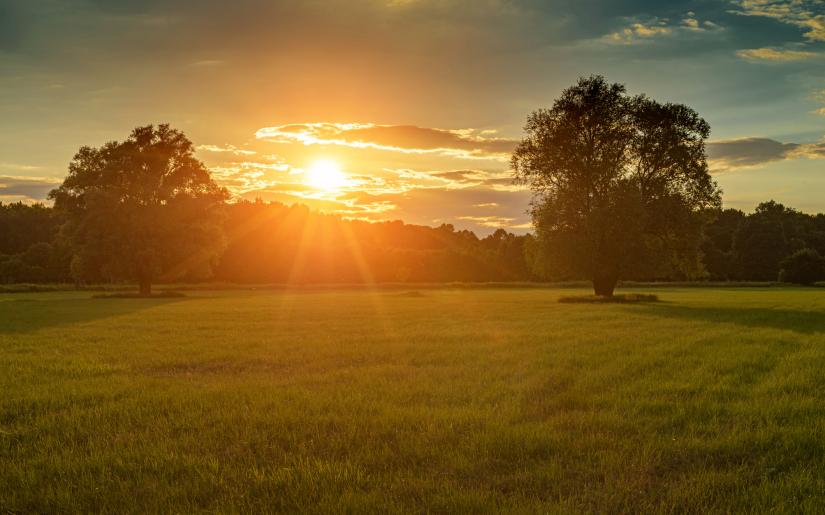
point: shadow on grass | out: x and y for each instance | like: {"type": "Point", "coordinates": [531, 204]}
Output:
{"type": "Point", "coordinates": [129, 295]}
{"type": "Point", "coordinates": [805, 322]}
{"type": "Point", "coordinates": [31, 314]}
{"type": "Point", "coordinates": [624, 298]}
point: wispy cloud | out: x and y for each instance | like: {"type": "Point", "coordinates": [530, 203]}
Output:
{"type": "Point", "coordinates": [819, 96]}
{"type": "Point", "coordinates": [408, 139]}
{"type": "Point", "coordinates": [805, 14]}
{"type": "Point", "coordinates": [773, 54]}
{"type": "Point", "coordinates": [19, 167]}
{"type": "Point", "coordinates": [467, 198]}
{"type": "Point", "coordinates": [645, 30]}
{"type": "Point", "coordinates": [692, 23]}
{"type": "Point", "coordinates": [232, 149]}
{"type": "Point", "coordinates": [637, 31]}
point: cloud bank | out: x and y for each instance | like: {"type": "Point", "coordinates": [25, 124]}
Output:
{"type": "Point", "coordinates": [408, 139]}
{"type": "Point", "coordinates": [734, 154]}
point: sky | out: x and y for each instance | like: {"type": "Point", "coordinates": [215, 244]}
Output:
{"type": "Point", "coordinates": [404, 109]}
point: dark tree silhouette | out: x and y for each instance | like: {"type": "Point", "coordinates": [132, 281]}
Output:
{"type": "Point", "coordinates": [142, 209]}
{"type": "Point", "coordinates": [717, 249]}
{"type": "Point", "coordinates": [805, 267]}
{"type": "Point", "coordinates": [766, 237]}
{"type": "Point", "coordinates": [620, 184]}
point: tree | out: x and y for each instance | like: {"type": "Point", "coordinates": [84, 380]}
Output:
{"type": "Point", "coordinates": [804, 267]}
{"type": "Point", "coordinates": [621, 185]}
{"type": "Point", "coordinates": [142, 209]}
{"type": "Point", "coordinates": [765, 238]}
{"type": "Point", "coordinates": [717, 249]}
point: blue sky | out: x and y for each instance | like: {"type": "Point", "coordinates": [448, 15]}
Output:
{"type": "Point", "coordinates": [417, 101]}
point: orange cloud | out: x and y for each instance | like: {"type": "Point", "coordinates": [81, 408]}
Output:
{"type": "Point", "coordinates": [231, 149]}
{"type": "Point", "coordinates": [408, 139]}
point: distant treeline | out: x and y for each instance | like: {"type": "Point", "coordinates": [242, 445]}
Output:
{"type": "Point", "coordinates": [274, 243]}
{"type": "Point", "coordinates": [753, 247]}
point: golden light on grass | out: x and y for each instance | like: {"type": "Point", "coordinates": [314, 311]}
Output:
{"type": "Point", "coordinates": [326, 175]}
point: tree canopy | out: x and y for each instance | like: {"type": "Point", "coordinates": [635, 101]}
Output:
{"type": "Point", "coordinates": [141, 209]}
{"type": "Point", "coordinates": [805, 266]}
{"type": "Point", "coordinates": [620, 184]}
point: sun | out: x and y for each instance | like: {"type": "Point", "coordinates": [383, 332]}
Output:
{"type": "Point", "coordinates": [325, 174]}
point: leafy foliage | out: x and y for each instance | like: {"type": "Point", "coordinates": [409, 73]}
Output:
{"type": "Point", "coordinates": [752, 247]}
{"type": "Point", "coordinates": [142, 209]}
{"type": "Point", "coordinates": [620, 185]}
{"type": "Point", "coordinates": [804, 267]}
{"type": "Point", "coordinates": [29, 250]}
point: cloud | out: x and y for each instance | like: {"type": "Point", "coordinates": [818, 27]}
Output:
{"type": "Point", "coordinates": [810, 151]}
{"type": "Point", "coordinates": [240, 177]}
{"type": "Point", "coordinates": [734, 154]}
{"type": "Point", "coordinates": [772, 54]}
{"type": "Point", "coordinates": [805, 14]}
{"type": "Point", "coordinates": [232, 149]}
{"type": "Point", "coordinates": [467, 198]}
{"type": "Point", "coordinates": [490, 221]}
{"type": "Point", "coordinates": [691, 23]}
{"type": "Point", "coordinates": [26, 189]}
{"type": "Point", "coordinates": [458, 175]}
{"type": "Point", "coordinates": [641, 30]}
{"type": "Point", "coordinates": [465, 208]}
{"type": "Point", "coordinates": [19, 167]}
{"type": "Point", "coordinates": [408, 139]}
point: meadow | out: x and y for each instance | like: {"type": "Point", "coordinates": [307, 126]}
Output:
{"type": "Point", "coordinates": [442, 400]}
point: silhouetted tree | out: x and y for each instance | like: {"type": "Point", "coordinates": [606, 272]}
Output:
{"type": "Point", "coordinates": [805, 266]}
{"type": "Point", "coordinates": [22, 226]}
{"type": "Point", "coordinates": [765, 238]}
{"type": "Point", "coordinates": [620, 184]}
{"type": "Point", "coordinates": [141, 209]}
{"type": "Point", "coordinates": [29, 250]}
{"type": "Point", "coordinates": [717, 248]}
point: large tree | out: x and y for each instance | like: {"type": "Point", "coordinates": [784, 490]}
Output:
{"type": "Point", "coordinates": [621, 184]}
{"type": "Point", "coordinates": [143, 209]}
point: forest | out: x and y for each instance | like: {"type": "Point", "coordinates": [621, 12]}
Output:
{"type": "Point", "coordinates": [274, 243]}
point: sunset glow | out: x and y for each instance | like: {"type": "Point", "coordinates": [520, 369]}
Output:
{"type": "Point", "coordinates": [422, 121]}
{"type": "Point", "coordinates": [326, 175]}
{"type": "Point", "coordinates": [405, 256]}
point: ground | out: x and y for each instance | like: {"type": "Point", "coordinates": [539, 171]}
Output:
{"type": "Point", "coordinates": [441, 400]}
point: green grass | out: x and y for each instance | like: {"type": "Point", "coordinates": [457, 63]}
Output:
{"type": "Point", "coordinates": [452, 400]}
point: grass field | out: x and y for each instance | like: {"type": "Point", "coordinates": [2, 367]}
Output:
{"type": "Point", "coordinates": [444, 400]}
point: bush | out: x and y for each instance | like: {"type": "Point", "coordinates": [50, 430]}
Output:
{"type": "Point", "coordinates": [804, 266]}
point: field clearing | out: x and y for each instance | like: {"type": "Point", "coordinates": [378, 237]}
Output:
{"type": "Point", "coordinates": [439, 400]}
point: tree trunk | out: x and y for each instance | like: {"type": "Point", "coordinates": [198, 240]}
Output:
{"type": "Point", "coordinates": [604, 284]}
{"type": "Point", "coordinates": [145, 286]}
